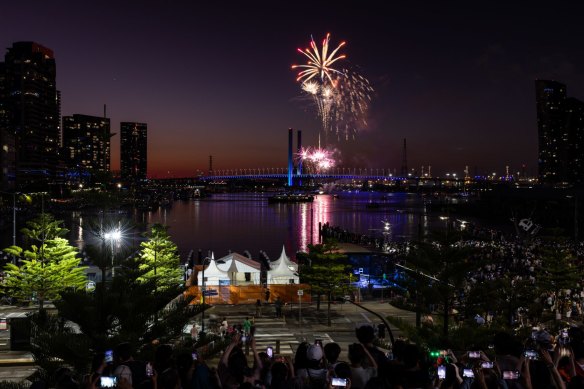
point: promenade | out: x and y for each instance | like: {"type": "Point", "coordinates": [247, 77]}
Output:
{"type": "Point", "coordinates": [309, 324]}
{"type": "Point", "coordinates": [293, 328]}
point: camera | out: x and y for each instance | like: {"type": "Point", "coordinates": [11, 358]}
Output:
{"type": "Point", "coordinates": [487, 365]}
{"type": "Point", "coordinates": [510, 374]}
{"type": "Point", "coordinates": [109, 356]}
{"type": "Point", "coordinates": [467, 373]}
{"type": "Point", "coordinates": [339, 382]}
{"type": "Point", "coordinates": [107, 382]}
{"type": "Point", "coordinates": [441, 372]}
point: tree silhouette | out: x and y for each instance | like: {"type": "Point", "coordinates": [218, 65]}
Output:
{"type": "Point", "coordinates": [46, 268]}
{"type": "Point", "coordinates": [326, 272]}
{"type": "Point", "coordinates": [159, 259]}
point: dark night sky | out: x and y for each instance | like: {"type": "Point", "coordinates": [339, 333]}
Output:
{"type": "Point", "coordinates": [454, 78]}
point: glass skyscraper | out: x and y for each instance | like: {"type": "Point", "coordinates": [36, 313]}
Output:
{"type": "Point", "coordinates": [133, 151]}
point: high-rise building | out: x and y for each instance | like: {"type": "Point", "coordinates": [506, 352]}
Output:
{"type": "Point", "coordinates": [560, 123]}
{"type": "Point", "coordinates": [133, 151]}
{"type": "Point", "coordinates": [575, 129]}
{"type": "Point", "coordinates": [7, 150]}
{"type": "Point", "coordinates": [31, 105]}
{"type": "Point", "coordinates": [86, 146]}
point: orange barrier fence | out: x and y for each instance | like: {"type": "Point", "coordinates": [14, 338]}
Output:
{"type": "Point", "coordinates": [249, 294]}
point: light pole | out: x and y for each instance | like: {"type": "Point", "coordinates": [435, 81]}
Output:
{"type": "Point", "coordinates": [202, 333]}
{"type": "Point", "coordinates": [14, 194]}
{"type": "Point", "coordinates": [113, 236]}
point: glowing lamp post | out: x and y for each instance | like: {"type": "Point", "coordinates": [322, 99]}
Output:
{"type": "Point", "coordinates": [202, 333]}
{"type": "Point", "coordinates": [113, 236]}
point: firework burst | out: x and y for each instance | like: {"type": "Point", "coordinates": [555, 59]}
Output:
{"type": "Point", "coordinates": [341, 96]}
{"type": "Point", "coordinates": [317, 159]}
{"type": "Point", "coordinates": [319, 62]}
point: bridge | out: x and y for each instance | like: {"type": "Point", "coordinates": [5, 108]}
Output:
{"type": "Point", "coordinates": [348, 174]}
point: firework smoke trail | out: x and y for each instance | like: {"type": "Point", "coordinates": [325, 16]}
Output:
{"type": "Point", "coordinates": [341, 96]}
{"type": "Point", "coordinates": [352, 104]}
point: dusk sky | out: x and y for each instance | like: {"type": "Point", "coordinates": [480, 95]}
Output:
{"type": "Point", "coordinates": [454, 78]}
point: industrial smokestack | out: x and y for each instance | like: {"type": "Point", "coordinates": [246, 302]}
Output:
{"type": "Point", "coordinates": [290, 160]}
{"type": "Point", "coordinates": [299, 151]}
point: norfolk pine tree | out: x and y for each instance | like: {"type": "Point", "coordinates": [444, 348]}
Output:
{"type": "Point", "coordinates": [48, 267]}
{"type": "Point", "coordinates": [327, 272]}
{"type": "Point", "coordinates": [159, 259]}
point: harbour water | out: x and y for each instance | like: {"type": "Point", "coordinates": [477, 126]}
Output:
{"type": "Point", "coordinates": [246, 221]}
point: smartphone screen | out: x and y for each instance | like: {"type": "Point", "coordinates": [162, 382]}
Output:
{"type": "Point", "coordinates": [467, 373]}
{"type": "Point", "coordinates": [531, 354]}
{"type": "Point", "coordinates": [339, 382]}
{"type": "Point", "coordinates": [487, 365]}
{"type": "Point", "coordinates": [474, 354]}
{"type": "Point", "coordinates": [441, 372]}
{"type": "Point", "coordinates": [149, 370]}
{"type": "Point", "coordinates": [270, 352]}
{"type": "Point", "coordinates": [109, 356]}
{"type": "Point", "coordinates": [510, 374]}
{"type": "Point", "coordinates": [195, 356]}
{"type": "Point", "coordinates": [107, 382]}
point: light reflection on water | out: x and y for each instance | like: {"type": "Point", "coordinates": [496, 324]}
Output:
{"type": "Point", "coordinates": [245, 221]}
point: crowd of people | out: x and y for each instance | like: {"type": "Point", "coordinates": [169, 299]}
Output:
{"type": "Point", "coordinates": [523, 261]}
{"type": "Point", "coordinates": [541, 361]}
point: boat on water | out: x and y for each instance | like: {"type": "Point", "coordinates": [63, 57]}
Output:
{"type": "Point", "coordinates": [291, 198]}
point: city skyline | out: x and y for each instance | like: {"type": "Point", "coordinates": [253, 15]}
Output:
{"type": "Point", "coordinates": [456, 81]}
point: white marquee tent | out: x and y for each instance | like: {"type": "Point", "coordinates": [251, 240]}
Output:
{"type": "Point", "coordinates": [240, 269]}
{"type": "Point", "coordinates": [284, 258]}
{"type": "Point", "coordinates": [282, 274]}
{"type": "Point", "coordinates": [213, 275]}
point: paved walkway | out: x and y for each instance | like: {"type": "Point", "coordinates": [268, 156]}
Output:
{"type": "Point", "coordinates": [298, 324]}
{"type": "Point", "coordinates": [305, 323]}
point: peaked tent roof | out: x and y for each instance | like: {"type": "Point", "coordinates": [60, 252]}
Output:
{"type": "Point", "coordinates": [237, 263]}
{"type": "Point", "coordinates": [213, 272]}
{"type": "Point", "coordinates": [282, 274]}
{"type": "Point", "coordinates": [284, 258]}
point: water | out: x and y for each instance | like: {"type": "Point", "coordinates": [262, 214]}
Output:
{"type": "Point", "coordinates": [240, 222]}
{"type": "Point", "coordinates": [246, 221]}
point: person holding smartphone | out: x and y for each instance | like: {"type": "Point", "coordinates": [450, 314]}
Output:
{"type": "Point", "coordinates": [358, 354]}
{"type": "Point", "coordinates": [315, 372]}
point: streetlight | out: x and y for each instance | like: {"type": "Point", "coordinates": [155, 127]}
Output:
{"type": "Point", "coordinates": [113, 236]}
{"type": "Point", "coordinates": [14, 194]}
{"type": "Point", "coordinates": [202, 333]}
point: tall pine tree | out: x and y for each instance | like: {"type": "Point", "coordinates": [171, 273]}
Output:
{"type": "Point", "coordinates": [327, 272]}
{"type": "Point", "coordinates": [159, 259]}
{"type": "Point", "coordinates": [48, 267]}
